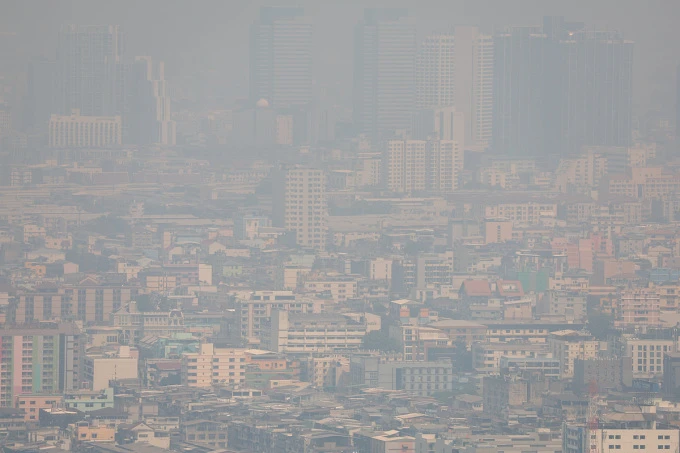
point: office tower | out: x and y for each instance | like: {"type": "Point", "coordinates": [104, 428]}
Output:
{"type": "Point", "coordinates": [560, 88]}
{"type": "Point", "coordinates": [149, 116]}
{"type": "Point", "coordinates": [281, 58]}
{"type": "Point", "coordinates": [435, 72]}
{"type": "Point", "coordinates": [78, 131]}
{"type": "Point", "coordinates": [384, 72]}
{"type": "Point", "coordinates": [89, 70]}
{"type": "Point", "coordinates": [417, 166]}
{"type": "Point", "coordinates": [473, 84]}
{"type": "Point", "coordinates": [300, 205]}
{"type": "Point", "coordinates": [38, 359]}
{"type": "Point", "coordinates": [519, 56]}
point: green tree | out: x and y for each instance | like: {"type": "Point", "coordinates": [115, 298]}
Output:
{"type": "Point", "coordinates": [381, 341]}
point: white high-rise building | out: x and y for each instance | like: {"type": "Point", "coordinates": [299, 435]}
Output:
{"type": "Point", "coordinates": [413, 166]}
{"type": "Point", "coordinates": [384, 72]}
{"type": "Point", "coordinates": [300, 205]}
{"type": "Point", "coordinates": [150, 115]}
{"type": "Point", "coordinates": [473, 84]}
{"type": "Point", "coordinates": [281, 47]}
{"type": "Point", "coordinates": [435, 72]}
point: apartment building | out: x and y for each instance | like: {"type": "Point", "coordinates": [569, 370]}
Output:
{"type": "Point", "coordinates": [413, 166]}
{"type": "Point", "coordinates": [616, 437]}
{"type": "Point", "coordinates": [522, 213]}
{"type": "Point", "coordinates": [255, 310]}
{"type": "Point", "coordinates": [41, 358]}
{"type": "Point", "coordinates": [313, 333]}
{"type": "Point", "coordinates": [647, 355]}
{"type": "Point", "coordinates": [569, 345]}
{"type": "Point", "coordinates": [339, 287]}
{"type": "Point", "coordinates": [487, 357]}
{"type": "Point", "coordinates": [214, 365]}
{"type": "Point", "coordinates": [300, 205]}
{"type": "Point", "coordinates": [638, 308]}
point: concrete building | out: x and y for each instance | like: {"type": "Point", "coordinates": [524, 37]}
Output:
{"type": "Point", "coordinates": [639, 309]}
{"type": "Point", "coordinates": [77, 131]}
{"type": "Point", "coordinates": [101, 368]}
{"type": "Point", "coordinates": [281, 63]}
{"type": "Point", "coordinates": [639, 435]}
{"type": "Point", "coordinates": [384, 72]}
{"type": "Point", "coordinates": [300, 205]}
{"type": "Point", "coordinates": [473, 84]}
{"type": "Point", "coordinates": [569, 345]}
{"type": "Point", "coordinates": [647, 356]}
{"type": "Point", "coordinates": [671, 375]}
{"type": "Point", "coordinates": [213, 365]}
{"type": "Point", "coordinates": [413, 166]}
{"type": "Point", "coordinates": [44, 359]}
{"type": "Point", "coordinates": [149, 120]}
{"type": "Point", "coordinates": [419, 378]}
{"type": "Point", "coordinates": [435, 71]}
{"type": "Point", "coordinates": [314, 333]}
{"type": "Point", "coordinates": [607, 373]}
{"type": "Point", "coordinates": [90, 76]}
{"type": "Point", "coordinates": [255, 311]}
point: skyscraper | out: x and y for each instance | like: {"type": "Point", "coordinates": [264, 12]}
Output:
{"type": "Point", "coordinates": [281, 58]}
{"type": "Point", "coordinates": [300, 205]}
{"type": "Point", "coordinates": [435, 72]}
{"type": "Point", "coordinates": [519, 56]}
{"type": "Point", "coordinates": [473, 84]}
{"type": "Point", "coordinates": [384, 72]}
{"type": "Point", "coordinates": [90, 77]}
{"type": "Point", "coordinates": [560, 88]}
{"type": "Point", "coordinates": [149, 111]}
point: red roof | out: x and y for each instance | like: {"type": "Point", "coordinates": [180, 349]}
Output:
{"type": "Point", "coordinates": [477, 288]}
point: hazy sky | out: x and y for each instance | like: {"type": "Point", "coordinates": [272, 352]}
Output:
{"type": "Point", "coordinates": [205, 42]}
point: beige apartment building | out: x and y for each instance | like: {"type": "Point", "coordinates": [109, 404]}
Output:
{"type": "Point", "coordinates": [569, 345]}
{"type": "Point", "coordinates": [300, 205]}
{"type": "Point", "coordinates": [313, 333]}
{"type": "Point", "coordinates": [212, 365]}
{"type": "Point", "coordinates": [78, 131]}
{"type": "Point", "coordinates": [102, 368]}
{"type": "Point", "coordinates": [413, 166]}
{"type": "Point", "coordinates": [256, 308]}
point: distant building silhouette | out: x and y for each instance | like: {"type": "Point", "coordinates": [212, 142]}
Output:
{"type": "Point", "coordinates": [384, 72]}
{"type": "Point", "coordinates": [281, 64]}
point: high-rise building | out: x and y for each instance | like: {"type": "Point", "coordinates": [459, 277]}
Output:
{"type": "Point", "coordinates": [435, 72]}
{"type": "Point", "coordinates": [559, 88]}
{"type": "Point", "coordinates": [519, 54]}
{"type": "Point", "coordinates": [38, 359]}
{"type": "Point", "coordinates": [414, 166]}
{"type": "Point", "coordinates": [384, 72]}
{"type": "Point", "coordinates": [444, 123]}
{"type": "Point", "coordinates": [149, 110]}
{"type": "Point", "coordinates": [281, 58]}
{"type": "Point", "coordinates": [90, 75]}
{"type": "Point", "coordinates": [300, 205]}
{"type": "Point", "coordinates": [473, 84]}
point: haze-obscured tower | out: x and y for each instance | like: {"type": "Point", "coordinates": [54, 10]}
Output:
{"type": "Point", "coordinates": [677, 102]}
{"type": "Point", "coordinates": [519, 55]}
{"type": "Point", "coordinates": [384, 72]}
{"type": "Point", "coordinates": [281, 63]}
{"type": "Point", "coordinates": [435, 72]}
{"type": "Point", "coordinates": [150, 119]}
{"type": "Point", "coordinates": [559, 88]}
{"type": "Point", "coordinates": [473, 84]}
{"type": "Point", "coordinates": [89, 72]}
